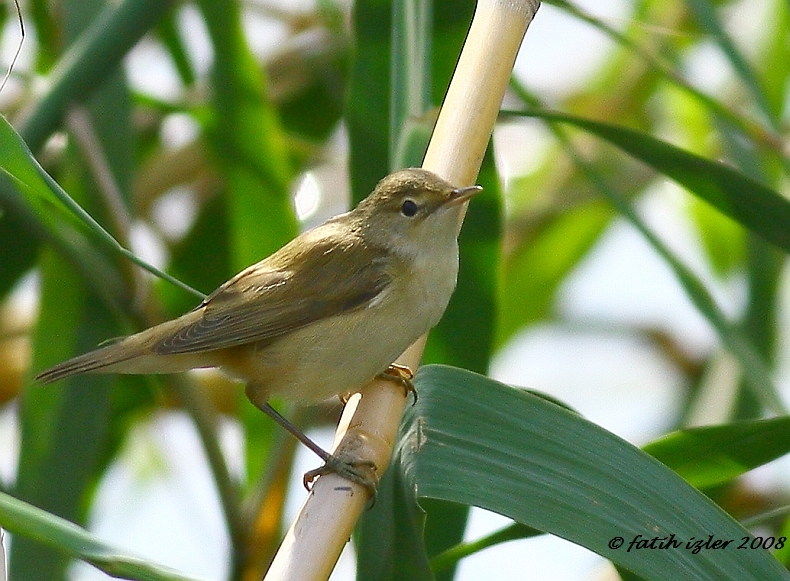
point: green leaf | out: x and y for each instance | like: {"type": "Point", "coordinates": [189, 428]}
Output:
{"type": "Point", "coordinates": [475, 441]}
{"type": "Point", "coordinates": [18, 163]}
{"type": "Point", "coordinates": [24, 519]}
{"type": "Point", "coordinates": [51, 204]}
{"type": "Point", "coordinates": [715, 455]}
{"type": "Point", "coordinates": [752, 204]}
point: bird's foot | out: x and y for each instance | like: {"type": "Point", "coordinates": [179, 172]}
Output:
{"type": "Point", "coordinates": [362, 472]}
{"type": "Point", "coordinates": [402, 375]}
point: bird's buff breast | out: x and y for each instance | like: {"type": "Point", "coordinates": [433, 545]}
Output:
{"type": "Point", "coordinates": [342, 354]}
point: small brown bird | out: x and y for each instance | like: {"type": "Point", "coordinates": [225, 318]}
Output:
{"type": "Point", "coordinates": [326, 313]}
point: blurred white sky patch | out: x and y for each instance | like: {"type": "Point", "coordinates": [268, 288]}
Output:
{"type": "Point", "coordinates": [175, 212]}
{"type": "Point", "coordinates": [560, 53]}
{"type": "Point", "coordinates": [520, 146]}
{"type": "Point", "coordinates": [151, 71]}
{"type": "Point", "coordinates": [147, 245]}
{"type": "Point", "coordinates": [525, 558]}
{"type": "Point", "coordinates": [307, 197]}
{"type": "Point", "coordinates": [178, 130]}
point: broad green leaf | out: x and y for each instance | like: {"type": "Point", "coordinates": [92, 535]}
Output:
{"type": "Point", "coordinates": [25, 520]}
{"type": "Point", "coordinates": [475, 441]}
{"type": "Point", "coordinates": [743, 199]}
{"type": "Point", "coordinates": [714, 455]}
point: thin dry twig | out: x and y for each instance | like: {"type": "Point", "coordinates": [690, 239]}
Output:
{"type": "Point", "coordinates": [18, 47]}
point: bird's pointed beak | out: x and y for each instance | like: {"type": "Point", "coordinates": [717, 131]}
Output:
{"type": "Point", "coordinates": [461, 195]}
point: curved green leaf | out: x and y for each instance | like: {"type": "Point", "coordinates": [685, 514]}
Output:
{"type": "Point", "coordinates": [475, 441]}
{"type": "Point", "coordinates": [752, 204]}
{"type": "Point", "coordinates": [714, 455]}
{"type": "Point", "coordinates": [43, 194]}
{"type": "Point", "coordinates": [25, 519]}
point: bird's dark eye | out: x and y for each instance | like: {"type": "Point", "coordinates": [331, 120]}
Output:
{"type": "Point", "coordinates": [409, 208]}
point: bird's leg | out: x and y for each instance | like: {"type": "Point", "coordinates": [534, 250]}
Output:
{"type": "Point", "coordinates": [402, 375]}
{"type": "Point", "coordinates": [362, 472]}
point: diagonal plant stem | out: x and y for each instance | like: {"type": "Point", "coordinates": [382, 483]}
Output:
{"type": "Point", "coordinates": [81, 127]}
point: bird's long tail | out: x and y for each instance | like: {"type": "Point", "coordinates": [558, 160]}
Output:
{"type": "Point", "coordinates": [133, 354]}
{"type": "Point", "coordinates": [99, 360]}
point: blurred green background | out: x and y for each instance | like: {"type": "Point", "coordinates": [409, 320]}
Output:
{"type": "Point", "coordinates": [642, 284]}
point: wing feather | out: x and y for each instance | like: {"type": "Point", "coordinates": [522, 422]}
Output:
{"type": "Point", "coordinates": [269, 300]}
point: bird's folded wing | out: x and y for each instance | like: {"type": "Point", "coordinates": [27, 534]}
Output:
{"type": "Point", "coordinates": [265, 302]}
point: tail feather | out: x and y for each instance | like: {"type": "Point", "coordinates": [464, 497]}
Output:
{"type": "Point", "coordinates": [97, 360]}
{"type": "Point", "coordinates": [133, 354]}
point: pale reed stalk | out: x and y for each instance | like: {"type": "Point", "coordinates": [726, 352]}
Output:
{"type": "Point", "coordinates": [370, 423]}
